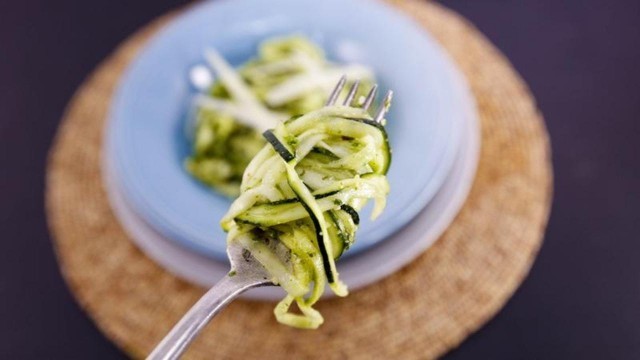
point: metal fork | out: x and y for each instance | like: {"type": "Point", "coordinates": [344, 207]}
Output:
{"type": "Point", "coordinates": [246, 272]}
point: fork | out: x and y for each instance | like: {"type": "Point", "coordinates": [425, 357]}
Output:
{"type": "Point", "coordinates": [246, 272]}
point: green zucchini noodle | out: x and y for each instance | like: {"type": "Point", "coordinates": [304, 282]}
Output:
{"type": "Point", "coordinates": [297, 210]}
{"type": "Point", "coordinates": [288, 76]}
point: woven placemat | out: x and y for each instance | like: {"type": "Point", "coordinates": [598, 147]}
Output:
{"type": "Point", "coordinates": [422, 311]}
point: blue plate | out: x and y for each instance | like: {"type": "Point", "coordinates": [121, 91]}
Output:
{"type": "Point", "coordinates": [147, 144]}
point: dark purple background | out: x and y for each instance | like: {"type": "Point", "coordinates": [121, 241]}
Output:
{"type": "Point", "coordinates": [580, 58]}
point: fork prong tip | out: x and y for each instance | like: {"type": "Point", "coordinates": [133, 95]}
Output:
{"type": "Point", "coordinates": [370, 97]}
{"type": "Point", "coordinates": [384, 107]}
{"type": "Point", "coordinates": [336, 91]}
{"type": "Point", "coordinates": [352, 93]}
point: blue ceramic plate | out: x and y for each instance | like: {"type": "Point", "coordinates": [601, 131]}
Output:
{"type": "Point", "coordinates": [147, 143]}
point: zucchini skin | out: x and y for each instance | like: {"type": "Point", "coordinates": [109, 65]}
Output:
{"type": "Point", "coordinates": [293, 200]}
{"type": "Point", "coordinates": [326, 261]}
{"type": "Point", "coordinates": [324, 152]}
{"type": "Point", "coordinates": [278, 146]}
{"type": "Point", "coordinates": [352, 212]}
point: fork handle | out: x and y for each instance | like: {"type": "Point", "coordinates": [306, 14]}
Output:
{"type": "Point", "coordinates": [214, 300]}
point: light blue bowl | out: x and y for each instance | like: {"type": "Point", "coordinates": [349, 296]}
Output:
{"type": "Point", "coordinates": [147, 143]}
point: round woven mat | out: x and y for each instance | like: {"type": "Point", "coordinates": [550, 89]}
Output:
{"type": "Point", "coordinates": [422, 311]}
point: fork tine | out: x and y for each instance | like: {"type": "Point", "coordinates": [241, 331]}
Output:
{"type": "Point", "coordinates": [352, 93]}
{"type": "Point", "coordinates": [336, 91]}
{"type": "Point", "coordinates": [372, 95]}
{"type": "Point", "coordinates": [384, 107]}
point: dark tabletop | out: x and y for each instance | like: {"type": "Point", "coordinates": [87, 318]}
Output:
{"type": "Point", "coordinates": [581, 60]}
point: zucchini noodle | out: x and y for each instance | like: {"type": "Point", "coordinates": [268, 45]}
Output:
{"type": "Point", "coordinates": [289, 76]}
{"type": "Point", "coordinates": [300, 196]}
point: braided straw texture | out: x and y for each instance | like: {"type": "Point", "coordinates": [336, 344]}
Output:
{"type": "Point", "coordinates": [421, 312]}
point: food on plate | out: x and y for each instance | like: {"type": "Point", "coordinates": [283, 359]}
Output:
{"type": "Point", "coordinates": [289, 76]}
{"type": "Point", "coordinates": [297, 211]}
